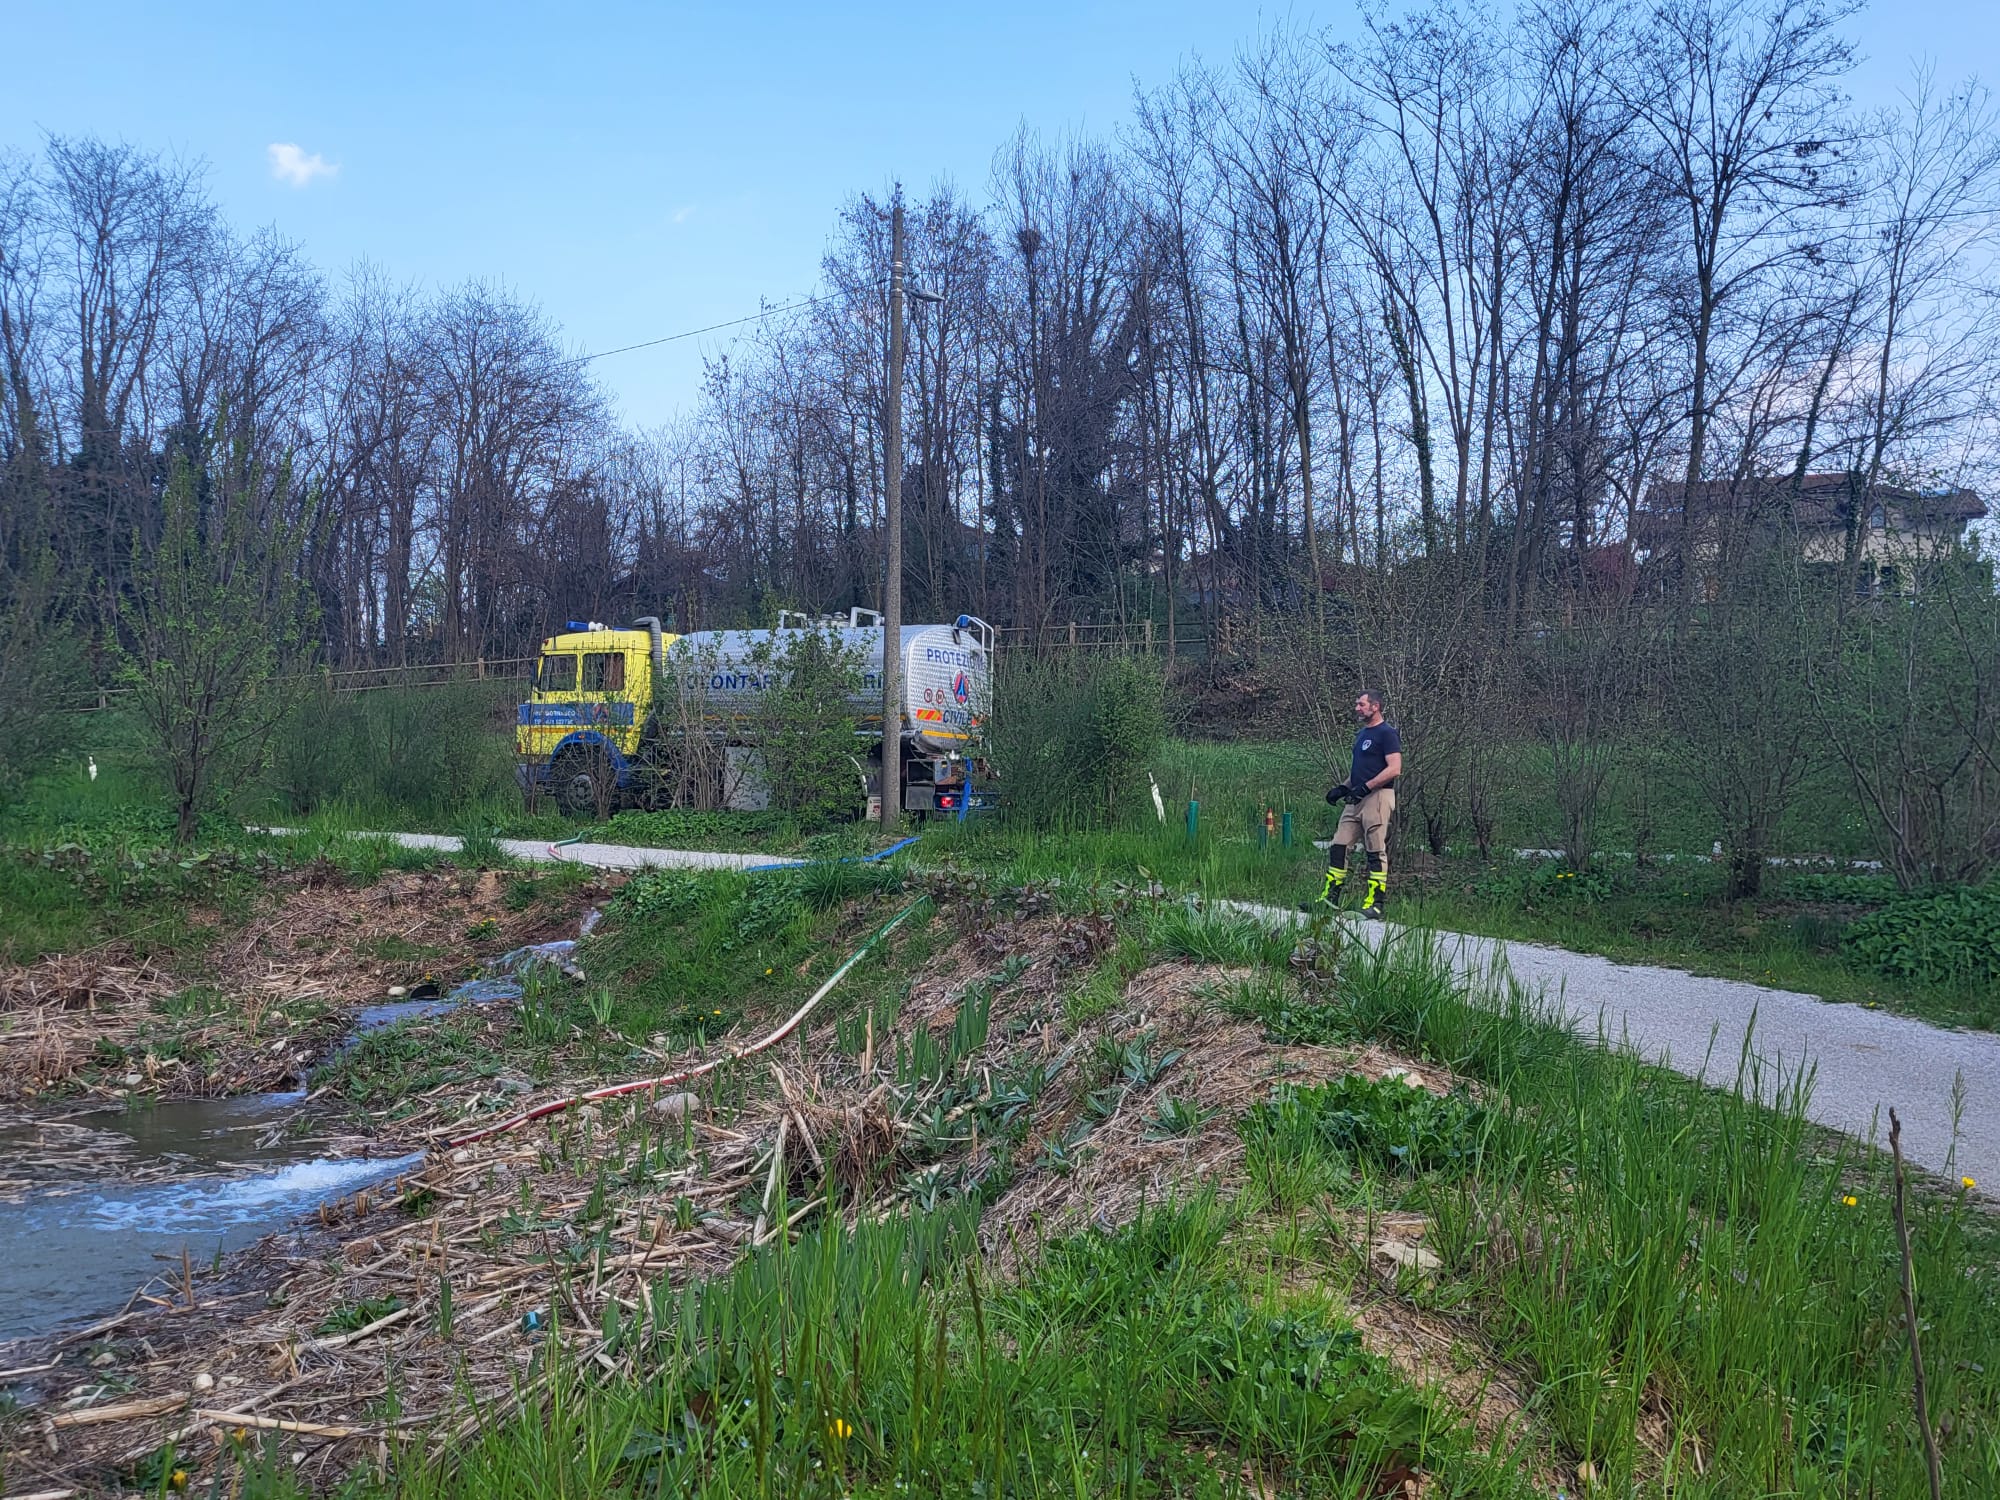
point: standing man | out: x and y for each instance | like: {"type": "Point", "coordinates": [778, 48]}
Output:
{"type": "Point", "coordinates": [1366, 800]}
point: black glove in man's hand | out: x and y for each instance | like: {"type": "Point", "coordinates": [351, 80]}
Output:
{"type": "Point", "coordinates": [1359, 790]}
{"type": "Point", "coordinates": [1335, 795]}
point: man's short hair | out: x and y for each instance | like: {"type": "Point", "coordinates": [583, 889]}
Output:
{"type": "Point", "coordinates": [1375, 697]}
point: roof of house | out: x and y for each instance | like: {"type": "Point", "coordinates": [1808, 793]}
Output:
{"type": "Point", "coordinates": [1824, 501]}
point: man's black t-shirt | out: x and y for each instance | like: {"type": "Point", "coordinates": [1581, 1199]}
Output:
{"type": "Point", "coordinates": [1372, 749]}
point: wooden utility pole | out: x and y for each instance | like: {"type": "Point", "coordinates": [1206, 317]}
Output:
{"type": "Point", "coordinates": [892, 486]}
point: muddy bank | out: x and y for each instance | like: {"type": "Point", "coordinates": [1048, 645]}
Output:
{"type": "Point", "coordinates": [255, 1005]}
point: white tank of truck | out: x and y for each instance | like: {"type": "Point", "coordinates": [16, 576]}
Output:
{"type": "Point", "coordinates": [721, 675]}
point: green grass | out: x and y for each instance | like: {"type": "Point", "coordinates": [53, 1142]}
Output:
{"type": "Point", "coordinates": [1651, 1249]}
{"type": "Point", "coordinates": [880, 1360]}
{"type": "Point", "coordinates": [1669, 914]}
{"type": "Point", "coordinates": [1702, 1287]}
{"type": "Point", "coordinates": [681, 959]}
{"type": "Point", "coordinates": [1680, 1269]}
{"type": "Point", "coordinates": [84, 863]}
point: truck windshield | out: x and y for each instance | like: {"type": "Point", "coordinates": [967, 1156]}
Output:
{"type": "Point", "coordinates": [556, 674]}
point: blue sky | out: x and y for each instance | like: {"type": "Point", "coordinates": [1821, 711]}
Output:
{"type": "Point", "coordinates": [643, 169]}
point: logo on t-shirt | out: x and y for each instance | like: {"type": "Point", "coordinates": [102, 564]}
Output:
{"type": "Point", "coordinates": [1367, 744]}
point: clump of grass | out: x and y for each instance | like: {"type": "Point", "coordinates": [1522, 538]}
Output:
{"type": "Point", "coordinates": [1177, 1117]}
{"type": "Point", "coordinates": [479, 849]}
{"type": "Point", "coordinates": [1632, 1234]}
{"type": "Point", "coordinates": [1383, 1123]}
{"type": "Point", "coordinates": [877, 1359]}
{"type": "Point", "coordinates": [402, 1061]}
{"type": "Point", "coordinates": [1229, 939]}
{"type": "Point", "coordinates": [1408, 993]}
{"type": "Point", "coordinates": [350, 1316]}
{"type": "Point", "coordinates": [1103, 985]}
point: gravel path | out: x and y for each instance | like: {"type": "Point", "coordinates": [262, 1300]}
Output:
{"type": "Point", "coordinates": [1864, 1060]}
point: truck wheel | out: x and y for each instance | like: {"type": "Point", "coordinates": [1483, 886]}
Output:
{"type": "Point", "coordinates": [582, 780]}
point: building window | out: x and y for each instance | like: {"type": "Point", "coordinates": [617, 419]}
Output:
{"type": "Point", "coordinates": [1891, 579]}
{"type": "Point", "coordinates": [604, 672]}
{"type": "Point", "coordinates": [556, 674]}
{"type": "Point", "coordinates": [1878, 519]}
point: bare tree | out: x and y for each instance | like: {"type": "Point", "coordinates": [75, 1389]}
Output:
{"type": "Point", "coordinates": [1741, 98]}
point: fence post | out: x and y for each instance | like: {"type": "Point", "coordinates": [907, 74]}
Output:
{"type": "Point", "coordinates": [479, 670]}
{"type": "Point", "coordinates": [1072, 634]}
{"type": "Point", "coordinates": [1149, 637]}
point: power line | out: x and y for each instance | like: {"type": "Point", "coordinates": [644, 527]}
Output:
{"type": "Point", "coordinates": [757, 317]}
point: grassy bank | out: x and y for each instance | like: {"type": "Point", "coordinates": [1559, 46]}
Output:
{"type": "Point", "coordinates": [1106, 1196]}
{"type": "Point", "coordinates": [1211, 1347]}
{"type": "Point", "coordinates": [1668, 909]}
{"type": "Point", "coordinates": [1799, 935]}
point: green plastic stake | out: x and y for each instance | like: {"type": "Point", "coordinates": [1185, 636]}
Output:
{"type": "Point", "coordinates": [1193, 818]}
{"type": "Point", "coordinates": [1285, 830]}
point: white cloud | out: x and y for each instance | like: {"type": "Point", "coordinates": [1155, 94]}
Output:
{"type": "Point", "coordinates": [290, 163]}
{"type": "Point", "coordinates": [683, 214]}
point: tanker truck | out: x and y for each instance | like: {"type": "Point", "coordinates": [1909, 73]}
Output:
{"type": "Point", "coordinates": [640, 716]}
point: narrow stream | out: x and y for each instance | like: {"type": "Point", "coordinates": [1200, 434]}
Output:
{"type": "Point", "coordinates": [97, 1202]}
{"type": "Point", "coordinates": [205, 1175]}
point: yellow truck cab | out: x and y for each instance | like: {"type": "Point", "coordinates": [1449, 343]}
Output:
{"type": "Point", "coordinates": [582, 721]}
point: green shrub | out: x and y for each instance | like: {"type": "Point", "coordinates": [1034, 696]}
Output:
{"type": "Point", "coordinates": [37, 668]}
{"type": "Point", "coordinates": [1072, 738]}
{"type": "Point", "coordinates": [431, 752]}
{"type": "Point", "coordinates": [1854, 889]}
{"type": "Point", "coordinates": [805, 733]}
{"type": "Point", "coordinates": [1945, 936]}
{"type": "Point", "coordinates": [315, 754]}
{"type": "Point", "coordinates": [658, 895]}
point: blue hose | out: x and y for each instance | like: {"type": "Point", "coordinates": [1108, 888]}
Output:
{"type": "Point", "coordinates": [865, 859]}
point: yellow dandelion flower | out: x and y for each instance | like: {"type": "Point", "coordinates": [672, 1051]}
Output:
{"type": "Point", "coordinates": [767, 971]}
{"type": "Point", "coordinates": [839, 1429]}
{"type": "Point", "coordinates": [1967, 1182]}
{"type": "Point", "coordinates": [178, 1480]}
{"type": "Point", "coordinates": [1850, 1200]}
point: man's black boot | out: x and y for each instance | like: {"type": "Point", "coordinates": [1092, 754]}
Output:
{"type": "Point", "coordinates": [1329, 895]}
{"type": "Point", "coordinates": [1376, 897]}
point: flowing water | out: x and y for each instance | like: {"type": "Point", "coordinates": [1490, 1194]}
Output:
{"type": "Point", "coordinates": [95, 1204]}
{"type": "Point", "coordinates": [98, 1204]}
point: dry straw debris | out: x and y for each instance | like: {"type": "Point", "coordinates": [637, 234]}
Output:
{"type": "Point", "coordinates": [448, 1281]}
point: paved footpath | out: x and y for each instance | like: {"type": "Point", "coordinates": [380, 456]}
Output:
{"type": "Point", "coordinates": [1863, 1060]}
{"type": "Point", "coordinates": [602, 856]}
